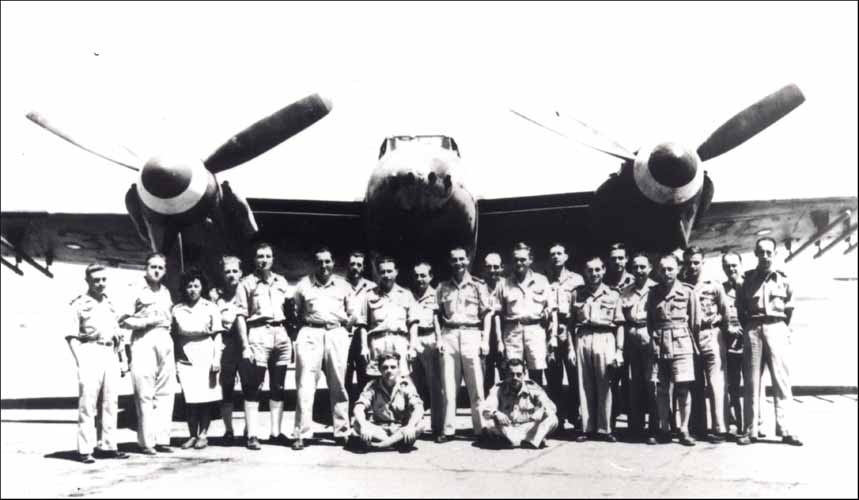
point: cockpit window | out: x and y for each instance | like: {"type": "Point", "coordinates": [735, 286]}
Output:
{"type": "Point", "coordinates": [441, 141]}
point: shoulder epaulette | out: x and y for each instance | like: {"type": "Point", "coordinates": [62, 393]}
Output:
{"type": "Point", "coordinates": [77, 298]}
{"type": "Point", "coordinates": [478, 280]}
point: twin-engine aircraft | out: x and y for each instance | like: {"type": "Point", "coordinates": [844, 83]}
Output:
{"type": "Point", "coordinates": [417, 207]}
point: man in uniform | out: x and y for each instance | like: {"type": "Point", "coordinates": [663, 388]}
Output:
{"type": "Point", "coordinates": [617, 278]}
{"type": "Point", "coordinates": [598, 349]}
{"type": "Point", "coordinates": [518, 411]}
{"type": "Point", "coordinates": [672, 321]}
{"type": "Point", "coordinates": [96, 345]}
{"type": "Point", "coordinates": [356, 365]}
{"type": "Point", "coordinates": [765, 308]}
{"type": "Point", "coordinates": [153, 365]}
{"type": "Point", "coordinates": [465, 314]}
{"type": "Point", "coordinates": [493, 270]}
{"type": "Point", "coordinates": [732, 266]}
{"type": "Point", "coordinates": [226, 299]}
{"type": "Point", "coordinates": [261, 298]}
{"type": "Point", "coordinates": [385, 320]}
{"type": "Point", "coordinates": [637, 351]}
{"type": "Point", "coordinates": [394, 407]}
{"type": "Point", "coordinates": [710, 364]}
{"type": "Point", "coordinates": [427, 373]}
{"type": "Point", "coordinates": [563, 282]}
{"type": "Point", "coordinates": [528, 307]}
{"type": "Point", "coordinates": [321, 302]}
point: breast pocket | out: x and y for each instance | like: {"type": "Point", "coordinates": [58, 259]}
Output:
{"type": "Point", "coordinates": [778, 298]}
{"type": "Point", "coordinates": [580, 315]}
{"type": "Point", "coordinates": [678, 310]}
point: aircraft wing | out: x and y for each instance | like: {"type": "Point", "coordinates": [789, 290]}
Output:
{"type": "Point", "coordinates": [736, 225]}
{"type": "Point", "coordinates": [537, 220]}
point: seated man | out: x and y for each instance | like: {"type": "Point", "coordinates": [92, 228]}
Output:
{"type": "Point", "coordinates": [518, 410]}
{"type": "Point", "coordinates": [394, 407]}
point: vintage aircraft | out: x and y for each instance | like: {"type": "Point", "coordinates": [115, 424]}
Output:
{"type": "Point", "coordinates": [417, 206]}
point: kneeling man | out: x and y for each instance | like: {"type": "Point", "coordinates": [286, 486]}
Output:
{"type": "Point", "coordinates": [394, 408]}
{"type": "Point", "coordinates": [518, 410]}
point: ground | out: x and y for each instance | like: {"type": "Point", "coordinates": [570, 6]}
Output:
{"type": "Point", "coordinates": [38, 450]}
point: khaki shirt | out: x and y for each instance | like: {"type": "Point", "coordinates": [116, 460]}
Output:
{"type": "Point", "coordinates": [711, 302]}
{"type": "Point", "coordinates": [529, 404]}
{"type": "Point", "coordinates": [532, 299]}
{"type": "Point", "coordinates": [598, 308]}
{"type": "Point", "coordinates": [356, 299]}
{"type": "Point", "coordinates": [765, 295]}
{"type": "Point", "coordinates": [326, 303]}
{"type": "Point", "coordinates": [563, 287]}
{"type": "Point", "coordinates": [426, 306]}
{"type": "Point", "coordinates": [262, 301]}
{"type": "Point", "coordinates": [465, 303]}
{"type": "Point", "coordinates": [393, 311]}
{"type": "Point", "coordinates": [624, 281]}
{"type": "Point", "coordinates": [672, 317]}
{"type": "Point", "coordinates": [395, 406]}
{"type": "Point", "coordinates": [229, 310]}
{"type": "Point", "coordinates": [732, 320]}
{"type": "Point", "coordinates": [94, 320]}
{"type": "Point", "coordinates": [151, 308]}
{"type": "Point", "coordinates": [200, 320]}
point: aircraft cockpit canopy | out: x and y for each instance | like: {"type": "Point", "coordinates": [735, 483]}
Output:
{"type": "Point", "coordinates": [441, 141]}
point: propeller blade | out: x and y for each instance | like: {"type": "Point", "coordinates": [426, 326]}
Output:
{"type": "Point", "coordinates": [748, 122]}
{"type": "Point", "coordinates": [611, 149]}
{"type": "Point", "coordinates": [124, 158]}
{"type": "Point", "coordinates": [268, 132]}
{"type": "Point", "coordinates": [598, 135]}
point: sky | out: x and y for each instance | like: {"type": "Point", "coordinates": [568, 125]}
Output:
{"type": "Point", "coordinates": [158, 77]}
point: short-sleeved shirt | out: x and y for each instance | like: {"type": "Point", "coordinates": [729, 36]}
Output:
{"type": "Point", "coordinates": [394, 406]}
{"type": "Point", "coordinates": [262, 300]}
{"type": "Point", "coordinates": [151, 305]}
{"type": "Point", "coordinates": [200, 320]}
{"type": "Point", "coordinates": [563, 287]}
{"type": "Point", "coordinates": [356, 298]}
{"type": "Point", "coordinates": [531, 299]}
{"type": "Point", "coordinates": [632, 304]}
{"type": "Point", "coordinates": [464, 303]}
{"type": "Point", "coordinates": [529, 404]}
{"type": "Point", "coordinates": [625, 280]}
{"type": "Point", "coordinates": [426, 306]}
{"type": "Point", "coordinates": [229, 309]}
{"type": "Point", "coordinates": [595, 308]}
{"type": "Point", "coordinates": [731, 293]}
{"type": "Point", "coordinates": [94, 319]}
{"type": "Point", "coordinates": [325, 303]}
{"type": "Point", "coordinates": [672, 319]}
{"type": "Point", "coordinates": [387, 312]}
{"type": "Point", "coordinates": [711, 300]}
{"type": "Point", "coordinates": [765, 295]}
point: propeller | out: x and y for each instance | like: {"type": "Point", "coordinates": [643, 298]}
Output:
{"type": "Point", "coordinates": [609, 146]}
{"type": "Point", "coordinates": [748, 122]}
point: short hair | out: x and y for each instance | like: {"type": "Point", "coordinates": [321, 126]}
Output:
{"type": "Point", "coordinates": [386, 355]}
{"type": "Point", "coordinates": [385, 259]}
{"type": "Point", "coordinates": [617, 246]}
{"type": "Point", "coordinates": [152, 255]}
{"type": "Point", "coordinates": [189, 276]}
{"type": "Point", "coordinates": [693, 250]}
{"type": "Point", "coordinates": [323, 249]}
{"type": "Point", "coordinates": [515, 362]}
{"type": "Point", "coordinates": [737, 255]}
{"type": "Point", "coordinates": [262, 244]}
{"type": "Point", "coordinates": [669, 256]}
{"type": "Point", "coordinates": [558, 244]}
{"type": "Point", "coordinates": [423, 263]}
{"type": "Point", "coordinates": [493, 254]}
{"type": "Point", "coordinates": [457, 247]}
{"type": "Point", "coordinates": [593, 257]}
{"type": "Point", "coordinates": [765, 238]}
{"type": "Point", "coordinates": [230, 259]}
{"type": "Point", "coordinates": [640, 254]}
{"type": "Point", "coordinates": [358, 253]}
{"type": "Point", "coordinates": [93, 268]}
{"type": "Point", "coordinates": [522, 246]}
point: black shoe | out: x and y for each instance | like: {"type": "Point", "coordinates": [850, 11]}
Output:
{"type": "Point", "coordinates": [113, 454]}
{"type": "Point", "coordinates": [609, 438]}
{"type": "Point", "coordinates": [403, 448]}
{"type": "Point", "coordinates": [687, 440]}
{"type": "Point", "coordinates": [163, 448]}
{"type": "Point", "coordinates": [253, 443]}
{"type": "Point", "coordinates": [528, 445]}
{"type": "Point", "coordinates": [762, 434]}
{"type": "Point", "coordinates": [86, 458]}
{"type": "Point", "coordinates": [791, 440]}
{"type": "Point", "coordinates": [581, 438]}
{"type": "Point", "coordinates": [298, 444]}
{"type": "Point", "coordinates": [652, 440]}
{"type": "Point", "coordinates": [746, 439]}
{"type": "Point", "coordinates": [716, 438]}
{"type": "Point", "coordinates": [443, 438]}
{"type": "Point", "coordinates": [340, 441]}
{"type": "Point", "coordinates": [148, 451]}
{"type": "Point", "coordinates": [228, 438]}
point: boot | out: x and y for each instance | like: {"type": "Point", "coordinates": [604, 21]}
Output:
{"type": "Point", "coordinates": [276, 413]}
{"type": "Point", "coordinates": [251, 416]}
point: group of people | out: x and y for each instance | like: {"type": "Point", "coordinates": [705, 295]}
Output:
{"type": "Point", "coordinates": [631, 340]}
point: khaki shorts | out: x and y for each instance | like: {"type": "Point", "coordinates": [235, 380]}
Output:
{"type": "Point", "coordinates": [526, 342]}
{"type": "Point", "coordinates": [270, 345]}
{"type": "Point", "coordinates": [677, 370]}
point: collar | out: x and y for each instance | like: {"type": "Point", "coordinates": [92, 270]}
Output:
{"type": "Point", "coordinates": [466, 279]}
{"type": "Point", "coordinates": [315, 281]}
{"type": "Point", "coordinates": [601, 289]}
{"type": "Point", "coordinates": [429, 292]}
{"type": "Point", "coordinates": [644, 289]}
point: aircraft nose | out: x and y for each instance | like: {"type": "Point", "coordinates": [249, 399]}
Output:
{"type": "Point", "coordinates": [165, 181]}
{"type": "Point", "coordinates": [672, 165]}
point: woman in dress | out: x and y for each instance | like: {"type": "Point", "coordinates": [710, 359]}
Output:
{"type": "Point", "coordinates": [197, 330]}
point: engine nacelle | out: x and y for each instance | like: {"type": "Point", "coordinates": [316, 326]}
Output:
{"type": "Point", "coordinates": [177, 191]}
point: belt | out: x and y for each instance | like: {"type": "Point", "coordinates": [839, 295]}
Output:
{"type": "Point", "coordinates": [259, 323]}
{"type": "Point", "coordinates": [385, 333]}
{"type": "Point", "coordinates": [767, 320]}
{"type": "Point", "coordinates": [673, 325]}
{"type": "Point", "coordinates": [586, 329]}
{"type": "Point", "coordinates": [523, 322]}
{"type": "Point", "coordinates": [95, 341]}
{"type": "Point", "coordinates": [708, 324]}
{"type": "Point", "coordinates": [425, 330]}
{"type": "Point", "coordinates": [327, 326]}
{"type": "Point", "coordinates": [461, 326]}
{"type": "Point", "coordinates": [636, 324]}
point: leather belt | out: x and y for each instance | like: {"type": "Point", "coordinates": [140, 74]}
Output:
{"type": "Point", "coordinates": [95, 341]}
{"type": "Point", "coordinates": [523, 322]}
{"type": "Point", "coordinates": [767, 320]}
{"type": "Point", "coordinates": [321, 324]}
{"type": "Point", "coordinates": [425, 330]}
{"type": "Point", "coordinates": [673, 325]}
{"type": "Point", "coordinates": [385, 333]}
{"type": "Point", "coordinates": [259, 323]}
{"type": "Point", "coordinates": [636, 324]}
{"type": "Point", "coordinates": [586, 329]}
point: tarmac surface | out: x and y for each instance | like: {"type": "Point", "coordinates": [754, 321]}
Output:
{"type": "Point", "coordinates": [38, 452]}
